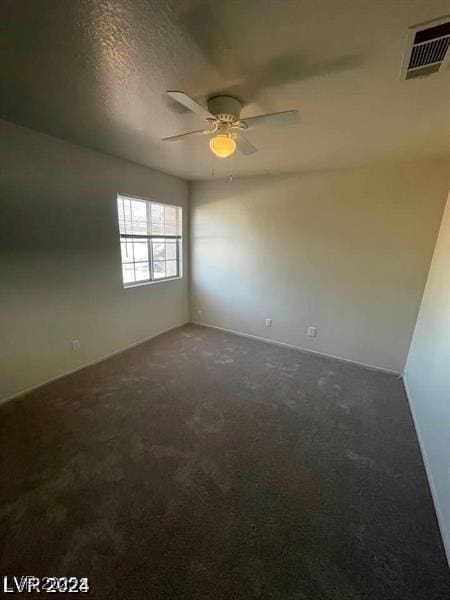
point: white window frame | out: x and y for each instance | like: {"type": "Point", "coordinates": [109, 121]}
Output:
{"type": "Point", "coordinates": [179, 245]}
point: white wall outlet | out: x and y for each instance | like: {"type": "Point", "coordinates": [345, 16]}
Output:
{"type": "Point", "coordinates": [75, 344]}
{"type": "Point", "coordinates": [312, 331]}
{"type": "Point", "coordinates": [199, 312]}
{"type": "Point", "coordinates": [268, 322]}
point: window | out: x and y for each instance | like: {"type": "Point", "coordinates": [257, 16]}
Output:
{"type": "Point", "coordinates": [150, 240]}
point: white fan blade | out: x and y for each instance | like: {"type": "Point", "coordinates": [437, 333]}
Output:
{"type": "Point", "coordinates": [287, 117]}
{"type": "Point", "coordinates": [187, 101]}
{"type": "Point", "coordinates": [244, 145]}
{"type": "Point", "coordinates": [173, 138]}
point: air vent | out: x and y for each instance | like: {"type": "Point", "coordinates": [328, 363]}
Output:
{"type": "Point", "coordinates": [427, 49]}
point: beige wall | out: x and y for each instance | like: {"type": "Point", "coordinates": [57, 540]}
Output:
{"type": "Point", "coordinates": [345, 251]}
{"type": "Point", "coordinates": [427, 377]}
{"type": "Point", "coordinates": [60, 259]}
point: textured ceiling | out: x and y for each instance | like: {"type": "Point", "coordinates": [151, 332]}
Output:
{"type": "Point", "coordinates": [94, 72]}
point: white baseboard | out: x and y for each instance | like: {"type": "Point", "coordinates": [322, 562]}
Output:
{"type": "Point", "coordinates": [278, 343]}
{"type": "Point", "coordinates": [445, 536]}
{"type": "Point", "coordinates": [92, 362]}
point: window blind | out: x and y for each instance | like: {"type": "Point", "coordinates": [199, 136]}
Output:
{"type": "Point", "coordinates": [150, 240]}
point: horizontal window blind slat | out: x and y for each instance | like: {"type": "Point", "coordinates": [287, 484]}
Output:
{"type": "Point", "coordinates": [150, 237]}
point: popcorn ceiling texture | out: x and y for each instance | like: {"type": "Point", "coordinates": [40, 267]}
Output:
{"type": "Point", "coordinates": [95, 72]}
{"type": "Point", "coordinates": [206, 465]}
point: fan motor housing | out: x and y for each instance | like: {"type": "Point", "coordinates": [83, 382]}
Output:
{"type": "Point", "coordinates": [225, 108]}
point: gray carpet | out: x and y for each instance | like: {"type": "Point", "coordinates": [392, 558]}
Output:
{"type": "Point", "coordinates": [203, 465]}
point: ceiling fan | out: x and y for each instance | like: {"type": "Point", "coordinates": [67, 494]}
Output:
{"type": "Point", "coordinates": [225, 123]}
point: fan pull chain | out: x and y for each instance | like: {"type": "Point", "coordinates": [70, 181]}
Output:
{"type": "Point", "coordinates": [212, 165]}
{"type": "Point", "coordinates": [230, 178]}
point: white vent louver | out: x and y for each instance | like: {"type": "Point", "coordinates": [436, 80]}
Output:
{"type": "Point", "coordinates": [427, 49]}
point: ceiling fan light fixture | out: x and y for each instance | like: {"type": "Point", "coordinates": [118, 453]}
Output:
{"type": "Point", "coordinates": [222, 145]}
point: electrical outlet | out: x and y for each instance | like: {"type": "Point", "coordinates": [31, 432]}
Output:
{"type": "Point", "coordinates": [75, 344]}
{"type": "Point", "coordinates": [268, 322]}
{"type": "Point", "coordinates": [199, 312]}
{"type": "Point", "coordinates": [312, 331]}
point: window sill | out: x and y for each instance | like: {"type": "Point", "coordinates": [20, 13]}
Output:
{"type": "Point", "coordinates": [127, 286]}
